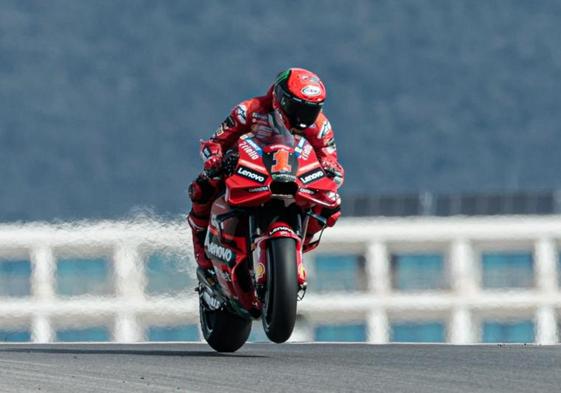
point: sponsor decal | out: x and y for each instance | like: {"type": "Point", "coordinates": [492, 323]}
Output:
{"type": "Point", "coordinates": [251, 174]}
{"type": "Point", "coordinates": [241, 113]}
{"type": "Point", "coordinates": [249, 150]}
{"type": "Point", "coordinates": [306, 151]}
{"type": "Point", "coordinates": [325, 128]}
{"type": "Point", "coordinates": [307, 191]}
{"type": "Point", "coordinates": [283, 177]}
{"type": "Point", "coordinates": [259, 271]}
{"type": "Point", "coordinates": [311, 91]}
{"type": "Point", "coordinates": [312, 176]}
{"type": "Point", "coordinates": [258, 189]}
{"type": "Point", "coordinates": [254, 145]}
{"type": "Point", "coordinates": [280, 229]}
{"type": "Point", "coordinates": [301, 271]}
{"type": "Point", "coordinates": [298, 148]}
{"type": "Point", "coordinates": [218, 251]}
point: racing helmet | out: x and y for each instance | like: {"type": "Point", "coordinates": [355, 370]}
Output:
{"type": "Point", "coordinates": [299, 95]}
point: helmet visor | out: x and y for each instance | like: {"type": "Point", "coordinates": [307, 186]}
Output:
{"type": "Point", "coordinates": [302, 114]}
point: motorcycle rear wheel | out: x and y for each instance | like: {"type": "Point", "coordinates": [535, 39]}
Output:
{"type": "Point", "coordinates": [223, 331]}
{"type": "Point", "coordinates": [279, 306]}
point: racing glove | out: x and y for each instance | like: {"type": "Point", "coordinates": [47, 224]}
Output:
{"type": "Point", "coordinates": [211, 153]}
{"type": "Point", "coordinates": [333, 170]}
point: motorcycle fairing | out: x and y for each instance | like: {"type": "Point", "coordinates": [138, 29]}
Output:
{"type": "Point", "coordinates": [226, 246]}
{"type": "Point", "coordinates": [247, 185]}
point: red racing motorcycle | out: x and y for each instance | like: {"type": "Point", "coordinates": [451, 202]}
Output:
{"type": "Point", "coordinates": [256, 234]}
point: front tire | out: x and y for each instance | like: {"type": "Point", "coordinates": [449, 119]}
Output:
{"type": "Point", "coordinates": [279, 306]}
{"type": "Point", "coordinates": [223, 331]}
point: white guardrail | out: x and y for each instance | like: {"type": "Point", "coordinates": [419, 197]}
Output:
{"type": "Point", "coordinates": [130, 309]}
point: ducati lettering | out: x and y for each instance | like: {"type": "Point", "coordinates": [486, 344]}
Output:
{"type": "Point", "coordinates": [249, 150]}
{"type": "Point", "coordinates": [312, 176]}
{"type": "Point", "coordinates": [251, 174]}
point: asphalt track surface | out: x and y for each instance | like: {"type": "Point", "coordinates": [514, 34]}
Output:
{"type": "Point", "coordinates": [269, 368]}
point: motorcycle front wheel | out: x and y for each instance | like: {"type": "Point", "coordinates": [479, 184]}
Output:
{"type": "Point", "coordinates": [280, 298]}
{"type": "Point", "coordinates": [223, 331]}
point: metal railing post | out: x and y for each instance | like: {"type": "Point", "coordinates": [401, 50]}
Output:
{"type": "Point", "coordinates": [379, 286]}
{"type": "Point", "coordinates": [463, 277]}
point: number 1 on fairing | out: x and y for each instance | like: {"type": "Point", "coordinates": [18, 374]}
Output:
{"type": "Point", "coordinates": [281, 161]}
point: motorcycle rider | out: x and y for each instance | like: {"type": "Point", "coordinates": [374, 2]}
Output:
{"type": "Point", "coordinates": [297, 95]}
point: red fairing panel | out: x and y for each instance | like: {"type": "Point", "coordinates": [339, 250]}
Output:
{"type": "Point", "coordinates": [249, 185]}
{"type": "Point", "coordinates": [227, 249]}
{"type": "Point", "coordinates": [314, 185]}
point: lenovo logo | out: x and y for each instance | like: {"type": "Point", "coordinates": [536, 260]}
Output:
{"type": "Point", "coordinates": [252, 175]}
{"type": "Point", "coordinates": [220, 252]}
{"type": "Point", "coordinates": [312, 176]}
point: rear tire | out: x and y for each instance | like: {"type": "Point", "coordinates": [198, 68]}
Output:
{"type": "Point", "coordinates": [223, 331]}
{"type": "Point", "coordinates": [279, 306]}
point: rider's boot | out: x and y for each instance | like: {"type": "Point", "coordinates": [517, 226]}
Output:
{"type": "Point", "coordinates": [199, 227]}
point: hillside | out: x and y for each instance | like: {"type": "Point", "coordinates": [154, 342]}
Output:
{"type": "Point", "coordinates": [102, 103]}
